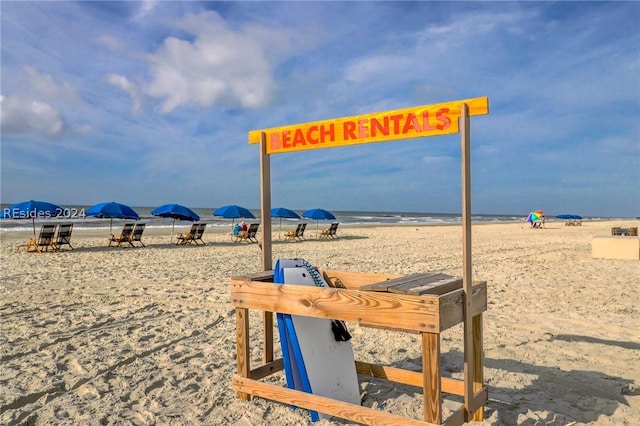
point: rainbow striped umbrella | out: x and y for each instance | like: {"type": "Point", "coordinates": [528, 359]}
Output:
{"type": "Point", "coordinates": [535, 215]}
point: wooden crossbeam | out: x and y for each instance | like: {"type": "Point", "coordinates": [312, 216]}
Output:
{"type": "Point", "coordinates": [345, 410]}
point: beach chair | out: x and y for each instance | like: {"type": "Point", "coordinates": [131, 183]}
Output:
{"type": "Point", "coordinates": [63, 236]}
{"type": "Point", "coordinates": [331, 232]}
{"type": "Point", "coordinates": [252, 232]}
{"type": "Point", "coordinates": [198, 235]}
{"type": "Point", "coordinates": [293, 235]}
{"type": "Point", "coordinates": [189, 237]}
{"type": "Point", "coordinates": [300, 235]}
{"type": "Point", "coordinates": [324, 233]}
{"type": "Point", "coordinates": [43, 241]}
{"type": "Point", "coordinates": [248, 236]}
{"type": "Point", "coordinates": [136, 235]}
{"type": "Point", "coordinates": [124, 237]}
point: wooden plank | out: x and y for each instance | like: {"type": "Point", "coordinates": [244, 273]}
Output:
{"type": "Point", "coordinates": [417, 284]}
{"type": "Point", "coordinates": [457, 418]}
{"type": "Point", "coordinates": [465, 141]}
{"type": "Point", "coordinates": [242, 348]}
{"type": "Point", "coordinates": [432, 390]}
{"type": "Point", "coordinates": [267, 369]}
{"type": "Point", "coordinates": [267, 337]}
{"type": "Point", "coordinates": [417, 281]}
{"type": "Point", "coordinates": [452, 305]}
{"type": "Point", "coordinates": [392, 374]}
{"type": "Point", "coordinates": [479, 399]}
{"type": "Point", "coordinates": [385, 309]}
{"type": "Point", "coordinates": [442, 286]}
{"type": "Point", "coordinates": [254, 276]}
{"type": "Point", "coordinates": [387, 327]}
{"type": "Point", "coordinates": [478, 362]}
{"type": "Point", "coordinates": [452, 386]}
{"type": "Point", "coordinates": [265, 204]}
{"type": "Point", "coordinates": [265, 245]}
{"type": "Point", "coordinates": [344, 410]}
{"type": "Point", "coordinates": [386, 285]}
{"type": "Point", "coordinates": [353, 280]}
{"type": "Point", "coordinates": [407, 377]}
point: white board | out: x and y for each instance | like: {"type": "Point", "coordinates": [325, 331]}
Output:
{"type": "Point", "coordinates": [320, 364]}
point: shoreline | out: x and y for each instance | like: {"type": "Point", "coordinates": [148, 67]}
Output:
{"type": "Point", "coordinates": [93, 233]}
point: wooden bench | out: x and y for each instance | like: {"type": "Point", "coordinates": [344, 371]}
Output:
{"type": "Point", "coordinates": [630, 232]}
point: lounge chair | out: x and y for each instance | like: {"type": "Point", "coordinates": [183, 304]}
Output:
{"type": "Point", "coordinates": [136, 235]}
{"type": "Point", "coordinates": [300, 235]}
{"type": "Point", "coordinates": [198, 235]}
{"type": "Point", "coordinates": [43, 241]}
{"type": "Point", "coordinates": [249, 235]}
{"type": "Point", "coordinates": [293, 235]}
{"type": "Point", "coordinates": [63, 236]}
{"type": "Point", "coordinates": [188, 238]}
{"type": "Point", "coordinates": [331, 232]}
{"type": "Point", "coordinates": [124, 237]}
{"type": "Point", "coordinates": [252, 232]}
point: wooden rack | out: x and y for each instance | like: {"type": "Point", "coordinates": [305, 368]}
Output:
{"type": "Point", "coordinates": [420, 303]}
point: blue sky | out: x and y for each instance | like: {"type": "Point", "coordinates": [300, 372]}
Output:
{"type": "Point", "coordinates": [149, 103]}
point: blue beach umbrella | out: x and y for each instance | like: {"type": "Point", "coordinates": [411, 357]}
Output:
{"type": "Point", "coordinates": [318, 214]}
{"type": "Point", "coordinates": [112, 210]}
{"type": "Point", "coordinates": [569, 216]}
{"type": "Point", "coordinates": [175, 211]}
{"type": "Point", "coordinates": [281, 212]}
{"type": "Point", "coordinates": [31, 210]}
{"type": "Point", "coordinates": [232, 211]}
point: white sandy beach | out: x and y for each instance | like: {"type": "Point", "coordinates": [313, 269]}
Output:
{"type": "Point", "coordinates": [146, 336]}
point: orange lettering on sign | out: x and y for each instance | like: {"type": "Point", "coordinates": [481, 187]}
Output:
{"type": "Point", "coordinates": [444, 120]}
{"type": "Point", "coordinates": [298, 138]}
{"type": "Point", "coordinates": [348, 130]}
{"type": "Point", "coordinates": [330, 133]}
{"type": "Point", "coordinates": [377, 127]}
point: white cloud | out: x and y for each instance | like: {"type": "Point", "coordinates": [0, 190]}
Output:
{"type": "Point", "coordinates": [219, 66]}
{"type": "Point", "coordinates": [146, 7]}
{"type": "Point", "coordinates": [123, 83]}
{"type": "Point", "coordinates": [44, 86]}
{"type": "Point", "coordinates": [29, 116]}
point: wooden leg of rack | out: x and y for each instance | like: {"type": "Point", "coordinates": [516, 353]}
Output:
{"type": "Point", "coordinates": [243, 356]}
{"type": "Point", "coordinates": [432, 391]}
{"type": "Point", "coordinates": [478, 362]}
{"type": "Point", "coordinates": [267, 335]}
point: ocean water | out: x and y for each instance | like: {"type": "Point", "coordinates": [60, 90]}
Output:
{"type": "Point", "coordinates": [76, 215]}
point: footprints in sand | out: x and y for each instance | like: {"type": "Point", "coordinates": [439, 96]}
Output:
{"type": "Point", "coordinates": [111, 355]}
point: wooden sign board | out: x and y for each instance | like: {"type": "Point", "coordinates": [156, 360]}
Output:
{"type": "Point", "coordinates": [407, 123]}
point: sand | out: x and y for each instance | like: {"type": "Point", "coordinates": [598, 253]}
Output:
{"type": "Point", "coordinates": [146, 336]}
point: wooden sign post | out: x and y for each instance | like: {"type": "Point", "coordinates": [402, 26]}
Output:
{"type": "Point", "coordinates": [253, 291]}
